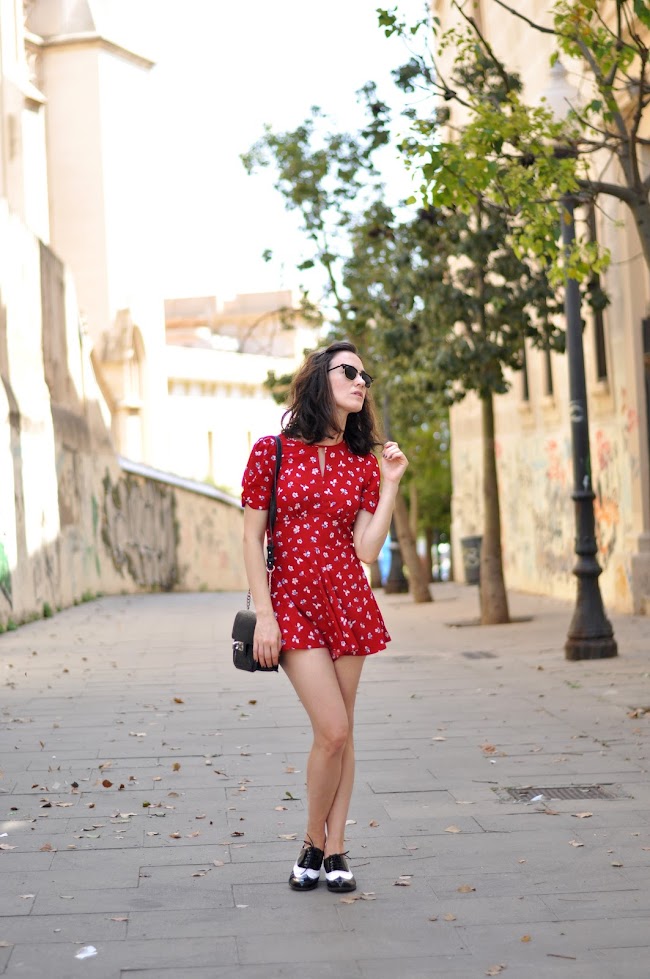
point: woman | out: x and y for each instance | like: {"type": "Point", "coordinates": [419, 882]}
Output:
{"type": "Point", "coordinates": [319, 619]}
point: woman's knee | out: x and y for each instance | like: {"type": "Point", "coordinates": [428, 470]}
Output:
{"type": "Point", "coordinates": [333, 736]}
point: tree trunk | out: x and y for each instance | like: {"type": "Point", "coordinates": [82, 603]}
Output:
{"type": "Point", "coordinates": [432, 539]}
{"type": "Point", "coordinates": [493, 597]}
{"type": "Point", "coordinates": [417, 576]}
{"type": "Point", "coordinates": [641, 212]}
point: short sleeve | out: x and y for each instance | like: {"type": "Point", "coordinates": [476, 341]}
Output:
{"type": "Point", "coordinates": [370, 487]}
{"type": "Point", "coordinates": [257, 481]}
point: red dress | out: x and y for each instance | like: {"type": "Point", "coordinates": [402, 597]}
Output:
{"type": "Point", "coordinates": [320, 593]}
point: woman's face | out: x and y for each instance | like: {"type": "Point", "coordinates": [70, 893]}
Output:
{"type": "Point", "coordinates": [349, 395]}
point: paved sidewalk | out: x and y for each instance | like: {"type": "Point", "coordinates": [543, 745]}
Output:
{"type": "Point", "coordinates": [153, 801]}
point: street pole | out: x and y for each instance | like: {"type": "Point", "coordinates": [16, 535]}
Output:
{"type": "Point", "coordinates": [396, 582]}
{"type": "Point", "coordinates": [590, 634]}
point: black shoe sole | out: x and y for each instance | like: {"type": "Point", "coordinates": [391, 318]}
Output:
{"type": "Point", "coordinates": [303, 883]}
{"type": "Point", "coordinates": [343, 886]}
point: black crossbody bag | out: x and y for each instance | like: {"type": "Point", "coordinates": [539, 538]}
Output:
{"type": "Point", "coordinates": [244, 625]}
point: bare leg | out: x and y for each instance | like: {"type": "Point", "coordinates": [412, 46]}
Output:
{"type": "Point", "coordinates": [316, 681]}
{"type": "Point", "coordinates": [348, 671]}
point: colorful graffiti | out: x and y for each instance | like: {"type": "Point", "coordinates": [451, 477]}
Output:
{"type": "Point", "coordinates": [140, 532]}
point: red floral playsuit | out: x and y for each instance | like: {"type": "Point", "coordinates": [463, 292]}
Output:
{"type": "Point", "coordinates": [319, 591]}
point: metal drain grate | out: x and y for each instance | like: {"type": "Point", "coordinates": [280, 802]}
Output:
{"type": "Point", "coordinates": [528, 793]}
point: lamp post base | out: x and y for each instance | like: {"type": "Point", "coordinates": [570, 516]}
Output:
{"type": "Point", "coordinates": [579, 648]}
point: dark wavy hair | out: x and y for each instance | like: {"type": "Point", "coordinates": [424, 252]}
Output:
{"type": "Point", "coordinates": [312, 410]}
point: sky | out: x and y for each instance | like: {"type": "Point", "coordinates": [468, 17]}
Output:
{"type": "Point", "coordinates": [223, 69]}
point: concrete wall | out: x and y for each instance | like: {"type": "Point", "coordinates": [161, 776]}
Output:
{"type": "Point", "coordinates": [73, 522]}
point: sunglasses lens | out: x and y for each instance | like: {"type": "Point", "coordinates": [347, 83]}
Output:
{"type": "Point", "coordinates": [366, 378]}
{"type": "Point", "coordinates": [350, 372]}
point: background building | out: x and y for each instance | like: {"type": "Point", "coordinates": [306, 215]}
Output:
{"type": "Point", "coordinates": [217, 360]}
{"type": "Point", "coordinates": [532, 420]}
{"type": "Point", "coordinates": [75, 519]}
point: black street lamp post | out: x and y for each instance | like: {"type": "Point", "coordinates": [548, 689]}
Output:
{"type": "Point", "coordinates": [590, 633]}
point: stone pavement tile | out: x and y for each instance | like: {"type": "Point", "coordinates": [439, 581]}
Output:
{"type": "Point", "coordinates": [119, 901]}
{"type": "Point", "coordinates": [340, 946]}
{"type": "Point", "coordinates": [258, 918]}
{"type": "Point", "coordinates": [257, 872]}
{"type": "Point", "coordinates": [625, 904]}
{"type": "Point", "coordinates": [18, 863]}
{"type": "Point", "coordinates": [14, 898]}
{"type": "Point", "coordinates": [79, 927]}
{"type": "Point", "coordinates": [634, 965]}
{"type": "Point", "coordinates": [468, 966]}
{"type": "Point", "coordinates": [57, 961]}
{"type": "Point", "coordinates": [284, 970]}
{"type": "Point", "coordinates": [603, 815]}
{"type": "Point", "coordinates": [483, 910]}
{"type": "Point", "coordinates": [561, 937]}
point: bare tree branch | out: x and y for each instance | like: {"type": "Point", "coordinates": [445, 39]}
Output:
{"type": "Point", "coordinates": [532, 23]}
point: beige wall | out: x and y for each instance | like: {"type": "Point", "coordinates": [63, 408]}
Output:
{"type": "Point", "coordinates": [73, 522]}
{"type": "Point", "coordinates": [533, 438]}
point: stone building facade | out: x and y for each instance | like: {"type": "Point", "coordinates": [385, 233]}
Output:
{"type": "Point", "coordinates": [532, 420]}
{"type": "Point", "coordinates": [75, 519]}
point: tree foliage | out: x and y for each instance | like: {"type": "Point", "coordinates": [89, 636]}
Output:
{"type": "Point", "coordinates": [518, 156]}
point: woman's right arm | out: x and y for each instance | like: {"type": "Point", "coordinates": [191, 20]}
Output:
{"type": "Point", "coordinates": [267, 639]}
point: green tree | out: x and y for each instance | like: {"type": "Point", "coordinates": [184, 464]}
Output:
{"type": "Point", "coordinates": [328, 177]}
{"type": "Point", "coordinates": [518, 156]}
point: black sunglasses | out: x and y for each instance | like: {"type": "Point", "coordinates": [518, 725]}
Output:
{"type": "Point", "coordinates": [351, 372]}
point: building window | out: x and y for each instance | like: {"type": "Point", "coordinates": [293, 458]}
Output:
{"type": "Point", "coordinates": [599, 320]}
{"type": "Point", "coordinates": [548, 373]}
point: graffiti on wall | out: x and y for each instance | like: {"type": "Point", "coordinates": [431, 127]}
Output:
{"type": "Point", "coordinates": [139, 530]}
{"type": "Point", "coordinates": [607, 512]}
{"type": "Point", "coordinates": [5, 577]}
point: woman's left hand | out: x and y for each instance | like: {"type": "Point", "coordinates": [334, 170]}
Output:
{"type": "Point", "coordinates": [393, 462]}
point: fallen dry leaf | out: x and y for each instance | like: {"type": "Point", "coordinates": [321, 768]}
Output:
{"type": "Point", "coordinates": [404, 880]}
{"type": "Point", "coordinates": [452, 829]}
{"type": "Point", "coordinates": [6, 846]}
{"type": "Point", "coordinates": [434, 918]}
{"type": "Point", "coordinates": [494, 970]}
{"type": "Point", "coordinates": [218, 863]}
{"type": "Point", "coordinates": [48, 848]}
{"type": "Point", "coordinates": [176, 767]}
{"type": "Point", "coordinates": [488, 749]}
{"type": "Point", "coordinates": [106, 783]}
{"type": "Point", "coordinates": [288, 836]}
{"type": "Point", "coordinates": [175, 836]}
{"type": "Point", "coordinates": [449, 917]}
{"type": "Point", "coordinates": [526, 938]}
{"type": "Point", "coordinates": [582, 815]}
{"type": "Point", "coordinates": [373, 823]}
{"type": "Point", "coordinates": [281, 808]}
{"type": "Point", "coordinates": [237, 833]}
{"type": "Point", "coordinates": [119, 919]}
{"type": "Point", "coordinates": [178, 700]}
{"type": "Point", "coordinates": [575, 843]}
{"type": "Point", "coordinates": [616, 863]}
{"type": "Point", "coordinates": [465, 889]}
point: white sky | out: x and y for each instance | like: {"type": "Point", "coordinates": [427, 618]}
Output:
{"type": "Point", "coordinates": [224, 69]}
